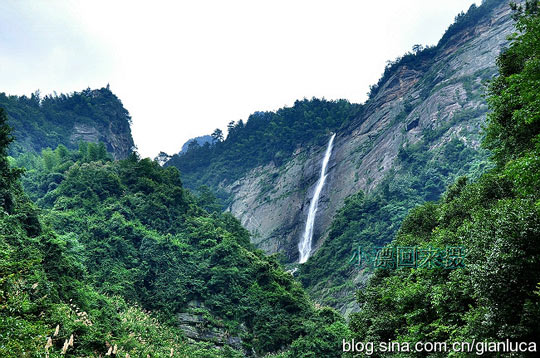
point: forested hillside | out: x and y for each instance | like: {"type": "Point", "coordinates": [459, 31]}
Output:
{"type": "Point", "coordinates": [200, 141]}
{"type": "Point", "coordinates": [87, 116]}
{"type": "Point", "coordinates": [496, 296]}
{"type": "Point", "coordinates": [120, 257]}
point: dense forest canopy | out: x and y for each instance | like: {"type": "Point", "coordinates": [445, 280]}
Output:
{"type": "Point", "coordinates": [119, 249]}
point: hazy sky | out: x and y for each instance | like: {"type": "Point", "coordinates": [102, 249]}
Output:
{"type": "Point", "coordinates": [183, 68]}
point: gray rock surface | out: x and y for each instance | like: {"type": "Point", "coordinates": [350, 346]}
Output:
{"type": "Point", "coordinates": [198, 325]}
{"type": "Point", "coordinates": [117, 140]}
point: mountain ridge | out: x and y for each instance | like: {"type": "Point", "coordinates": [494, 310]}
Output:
{"type": "Point", "coordinates": [367, 130]}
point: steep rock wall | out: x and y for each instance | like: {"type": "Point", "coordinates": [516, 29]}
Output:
{"type": "Point", "coordinates": [272, 202]}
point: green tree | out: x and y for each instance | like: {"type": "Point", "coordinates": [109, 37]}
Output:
{"type": "Point", "coordinates": [514, 123]}
{"type": "Point", "coordinates": [8, 175]}
{"type": "Point", "coordinates": [217, 135]}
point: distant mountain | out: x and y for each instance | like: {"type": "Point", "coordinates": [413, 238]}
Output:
{"type": "Point", "coordinates": [201, 140]}
{"type": "Point", "coordinates": [162, 158]}
{"type": "Point", "coordinates": [87, 116]}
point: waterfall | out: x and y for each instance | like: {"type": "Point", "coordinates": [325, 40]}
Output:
{"type": "Point", "coordinates": [305, 244]}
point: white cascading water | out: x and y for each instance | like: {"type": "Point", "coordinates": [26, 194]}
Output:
{"type": "Point", "coordinates": [305, 244]}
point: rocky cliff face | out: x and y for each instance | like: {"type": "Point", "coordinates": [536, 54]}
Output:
{"type": "Point", "coordinates": [89, 116]}
{"type": "Point", "coordinates": [110, 125]}
{"type": "Point", "coordinates": [115, 134]}
{"type": "Point", "coordinates": [445, 95]}
{"type": "Point", "coordinates": [197, 327]}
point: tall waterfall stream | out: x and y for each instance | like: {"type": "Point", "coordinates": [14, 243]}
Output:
{"type": "Point", "coordinates": [305, 244]}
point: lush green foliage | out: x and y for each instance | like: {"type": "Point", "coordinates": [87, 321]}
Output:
{"type": "Point", "coordinates": [43, 293]}
{"type": "Point", "coordinates": [44, 173]}
{"type": "Point", "coordinates": [118, 249]}
{"type": "Point", "coordinates": [7, 174]}
{"type": "Point", "coordinates": [47, 122]}
{"type": "Point", "coordinates": [515, 97]}
{"type": "Point", "coordinates": [497, 218]}
{"type": "Point", "coordinates": [266, 137]}
{"type": "Point", "coordinates": [323, 337]}
{"type": "Point", "coordinates": [121, 239]}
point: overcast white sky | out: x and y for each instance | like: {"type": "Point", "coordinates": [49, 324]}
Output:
{"type": "Point", "coordinates": [183, 68]}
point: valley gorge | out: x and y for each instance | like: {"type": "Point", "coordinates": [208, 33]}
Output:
{"type": "Point", "coordinates": [437, 98]}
